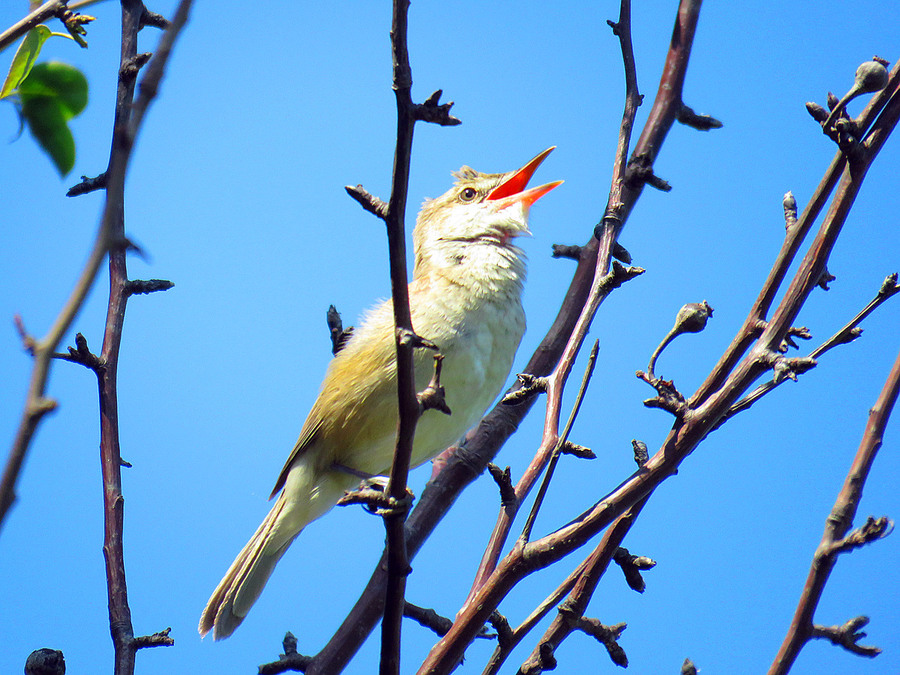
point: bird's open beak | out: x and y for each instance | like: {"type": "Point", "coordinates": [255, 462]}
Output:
{"type": "Point", "coordinates": [512, 190]}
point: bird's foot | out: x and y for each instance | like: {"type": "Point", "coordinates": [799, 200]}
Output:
{"type": "Point", "coordinates": [372, 494]}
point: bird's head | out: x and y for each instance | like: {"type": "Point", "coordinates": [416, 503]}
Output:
{"type": "Point", "coordinates": [480, 210]}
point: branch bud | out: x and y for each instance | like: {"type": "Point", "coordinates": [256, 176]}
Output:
{"type": "Point", "coordinates": [640, 452]}
{"type": "Point", "coordinates": [692, 317]}
{"type": "Point", "coordinates": [871, 76]}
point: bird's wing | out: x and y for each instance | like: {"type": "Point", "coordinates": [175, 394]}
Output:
{"type": "Point", "coordinates": [364, 368]}
{"type": "Point", "coordinates": [306, 439]}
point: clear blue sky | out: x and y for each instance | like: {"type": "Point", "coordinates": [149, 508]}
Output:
{"type": "Point", "coordinates": [236, 195]}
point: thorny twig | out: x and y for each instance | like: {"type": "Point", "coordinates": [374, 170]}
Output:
{"type": "Point", "coordinates": [836, 540]}
{"type": "Point", "coordinates": [847, 333]}
{"type": "Point", "coordinates": [411, 404]}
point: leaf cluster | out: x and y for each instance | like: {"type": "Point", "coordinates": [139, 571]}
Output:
{"type": "Point", "coordinates": [46, 95]}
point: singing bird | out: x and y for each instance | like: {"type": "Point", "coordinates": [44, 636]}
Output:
{"type": "Point", "coordinates": [465, 297]}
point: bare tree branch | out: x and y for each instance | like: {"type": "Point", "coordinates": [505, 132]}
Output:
{"type": "Point", "coordinates": [127, 123]}
{"type": "Point", "coordinates": [48, 10]}
{"type": "Point", "coordinates": [836, 540]}
{"type": "Point", "coordinates": [411, 405]}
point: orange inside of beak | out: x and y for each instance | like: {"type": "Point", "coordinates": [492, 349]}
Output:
{"type": "Point", "coordinates": [512, 190]}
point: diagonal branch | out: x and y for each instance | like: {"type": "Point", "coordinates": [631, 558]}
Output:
{"type": "Point", "coordinates": [797, 229]}
{"type": "Point", "coordinates": [847, 333]}
{"type": "Point", "coordinates": [48, 10]}
{"type": "Point", "coordinates": [835, 540]}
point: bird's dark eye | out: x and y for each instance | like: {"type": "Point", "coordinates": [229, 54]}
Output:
{"type": "Point", "coordinates": [468, 194]}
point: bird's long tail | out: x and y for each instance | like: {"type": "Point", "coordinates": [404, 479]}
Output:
{"type": "Point", "coordinates": [306, 496]}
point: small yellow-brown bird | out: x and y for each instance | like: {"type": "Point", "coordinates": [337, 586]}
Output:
{"type": "Point", "coordinates": [465, 297]}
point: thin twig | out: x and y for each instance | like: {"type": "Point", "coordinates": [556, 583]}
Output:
{"type": "Point", "coordinates": [847, 333]}
{"type": "Point", "coordinates": [126, 125]}
{"type": "Point", "coordinates": [48, 10]}
{"type": "Point", "coordinates": [561, 441]}
{"type": "Point", "coordinates": [835, 538]}
{"type": "Point", "coordinates": [795, 234]}
{"type": "Point", "coordinates": [395, 216]}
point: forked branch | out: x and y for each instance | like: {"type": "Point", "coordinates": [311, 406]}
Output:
{"type": "Point", "coordinates": [838, 539]}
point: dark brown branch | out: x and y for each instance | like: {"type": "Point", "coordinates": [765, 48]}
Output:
{"type": "Point", "coordinates": [120, 623]}
{"type": "Point", "coordinates": [369, 202]}
{"type": "Point", "coordinates": [688, 117]}
{"type": "Point", "coordinates": [410, 406]}
{"type": "Point", "coordinates": [836, 540]}
{"type": "Point", "coordinates": [847, 333]}
{"type": "Point", "coordinates": [128, 118]}
{"type": "Point", "coordinates": [87, 185]}
{"type": "Point", "coordinates": [290, 660]}
{"type": "Point", "coordinates": [795, 234]}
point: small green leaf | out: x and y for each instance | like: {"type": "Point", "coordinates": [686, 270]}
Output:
{"type": "Point", "coordinates": [51, 95]}
{"type": "Point", "coordinates": [60, 81]}
{"type": "Point", "coordinates": [24, 59]}
{"type": "Point", "coordinates": [47, 123]}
